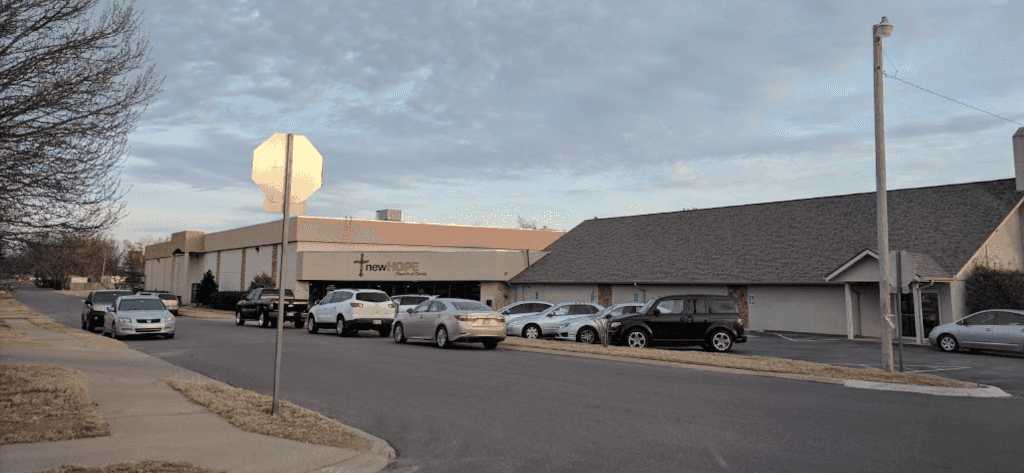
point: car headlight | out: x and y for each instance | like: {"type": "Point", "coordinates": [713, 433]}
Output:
{"type": "Point", "coordinates": [168, 319]}
{"type": "Point", "coordinates": [124, 320]}
{"type": "Point", "coordinates": [615, 325]}
{"type": "Point", "coordinates": [739, 322]}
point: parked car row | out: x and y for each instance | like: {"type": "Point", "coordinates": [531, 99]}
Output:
{"type": "Point", "coordinates": [121, 313]}
{"type": "Point", "coordinates": [712, 321]}
{"type": "Point", "coordinates": [101, 306]}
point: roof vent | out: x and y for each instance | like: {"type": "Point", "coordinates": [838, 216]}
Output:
{"type": "Point", "coordinates": [389, 215]}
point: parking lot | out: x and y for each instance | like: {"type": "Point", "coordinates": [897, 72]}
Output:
{"type": "Point", "coordinates": [1004, 370]}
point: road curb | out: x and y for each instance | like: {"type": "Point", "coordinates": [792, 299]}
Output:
{"type": "Point", "coordinates": [981, 391]}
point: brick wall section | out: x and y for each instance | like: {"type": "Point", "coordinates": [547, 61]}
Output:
{"type": "Point", "coordinates": [740, 293]}
{"type": "Point", "coordinates": [604, 294]}
{"type": "Point", "coordinates": [241, 275]}
{"type": "Point", "coordinates": [273, 265]}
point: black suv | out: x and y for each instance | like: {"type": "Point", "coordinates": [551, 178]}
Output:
{"type": "Point", "coordinates": [713, 322]}
{"type": "Point", "coordinates": [97, 305]}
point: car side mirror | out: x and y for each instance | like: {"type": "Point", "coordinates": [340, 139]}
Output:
{"type": "Point", "coordinates": [608, 316]}
{"type": "Point", "coordinates": [961, 322]}
{"type": "Point", "coordinates": [87, 302]}
{"type": "Point", "coordinates": [409, 310]}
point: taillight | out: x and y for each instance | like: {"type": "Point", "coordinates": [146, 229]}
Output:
{"type": "Point", "coordinates": [356, 304]}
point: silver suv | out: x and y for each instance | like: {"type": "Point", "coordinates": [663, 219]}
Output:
{"type": "Point", "coordinates": [171, 301]}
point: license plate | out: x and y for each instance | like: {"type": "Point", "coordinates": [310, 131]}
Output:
{"type": "Point", "coordinates": [376, 322]}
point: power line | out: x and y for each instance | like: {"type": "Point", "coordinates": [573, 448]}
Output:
{"type": "Point", "coordinates": [947, 98]}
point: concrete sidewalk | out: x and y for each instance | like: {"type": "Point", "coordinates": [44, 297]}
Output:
{"type": "Point", "coordinates": [151, 421]}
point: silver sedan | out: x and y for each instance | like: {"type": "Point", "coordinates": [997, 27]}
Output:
{"type": "Point", "coordinates": [587, 328]}
{"type": "Point", "coordinates": [445, 320]}
{"type": "Point", "coordinates": [138, 315]}
{"type": "Point", "coordinates": [988, 329]}
{"type": "Point", "coordinates": [543, 324]}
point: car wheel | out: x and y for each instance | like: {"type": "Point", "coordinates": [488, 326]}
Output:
{"type": "Point", "coordinates": [113, 332]}
{"type": "Point", "coordinates": [238, 318]}
{"type": "Point", "coordinates": [264, 319]}
{"type": "Point", "coordinates": [491, 344]}
{"type": "Point", "coordinates": [170, 335]}
{"type": "Point", "coordinates": [586, 335]}
{"type": "Point", "coordinates": [85, 325]}
{"type": "Point", "coordinates": [948, 343]}
{"type": "Point", "coordinates": [340, 327]}
{"type": "Point", "coordinates": [399, 334]}
{"type": "Point", "coordinates": [297, 322]}
{"type": "Point", "coordinates": [384, 332]}
{"type": "Point", "coordinates": [637, 338]}
{"type": "Point", "coordinates": [531, 331]}
{"type": "Point", "coordinates": [311, 326]}
{"type": "Point", "coordinates": [442, 337]}
{"type": "Point", "coordinates": [720, 341]}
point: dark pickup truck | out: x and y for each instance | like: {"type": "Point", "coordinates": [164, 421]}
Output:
{"type": "Point", "coordinates": [261, 305]}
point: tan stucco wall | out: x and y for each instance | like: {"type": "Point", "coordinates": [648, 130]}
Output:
{"type": "Point", "coordinates": [625, 293]}
{"type": "Point", "coordinates": [230, 268]}
{"type": "Point", "coordinates": [811, 309]}
{"type": "Point", "coordinates": [437, 265]}
{"type": "Point", "coordinates": [495, 292]}
{"type": "Point", "coordinates": [556, 293]}
{"type": "Point", "coordinates": [258, 260]}
{"type": "Point", "coordinates": [862, 271]}
{"type": "Point", "coordinates": [620, 293]}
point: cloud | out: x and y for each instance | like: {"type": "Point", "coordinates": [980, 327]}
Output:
{"type": "Point", "coordinates": [426, 104]}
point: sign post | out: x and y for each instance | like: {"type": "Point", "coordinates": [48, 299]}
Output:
{"type": "Point", "coordinates": [304, 164]}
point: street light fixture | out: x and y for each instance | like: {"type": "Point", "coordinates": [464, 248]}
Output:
{"type": "Point", "coordinates": [879, 31]}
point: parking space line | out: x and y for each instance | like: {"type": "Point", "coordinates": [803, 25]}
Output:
{"type": "Point", "coordinates": [808, 340]}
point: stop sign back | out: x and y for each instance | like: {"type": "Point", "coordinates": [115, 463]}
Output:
{"type": "Point", "coordinates": [268, 169]}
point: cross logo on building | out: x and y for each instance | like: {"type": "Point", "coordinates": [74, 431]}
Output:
{"type": "Point", "coordinates": [361, 261]}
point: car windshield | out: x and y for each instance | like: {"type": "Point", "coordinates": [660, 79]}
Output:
{"type": "Point", "coordinates": [647, 306]}
{"type": "Point", "coordinates": [273, 292]}
{"type": "Point", "coordinates": [108, 296]}
{"type": "Point", "coordinates": [140, 304]}
{"type": "Point", "coordinates": [372, 297]}
{"type": "Point", "coordinates": [471, 305]}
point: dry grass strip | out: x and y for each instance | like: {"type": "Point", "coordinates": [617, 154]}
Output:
{"type": "Point", "coordinates": [93, 339]}
{"type": "Point", "coordinates": [13, 308]}
{"type": "Point", "coordinates": [76, 293]}
{"type": "Point", "coordinates": [750, 363]}
{"type": "Point", "coordinates": [149, 466]}
{"type": "Point", "coordinates": [207, 314]}
{"type": "Point", "coordinates": [46, 404]}
{"type": "Point", "coordinates": [11, 338]}
{"type": "Point", "coordinates": [250, 412]}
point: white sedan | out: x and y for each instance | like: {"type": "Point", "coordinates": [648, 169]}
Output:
{"type": "Point", "coordinates": [138, 315]}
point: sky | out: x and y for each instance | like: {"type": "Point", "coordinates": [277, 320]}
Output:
{"type": "Point", "coordinates": [478, 112]}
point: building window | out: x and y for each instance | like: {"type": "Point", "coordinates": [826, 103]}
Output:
{"type": "Point", "coordinates": [591, 297]}
{"type": "Point", "coordinates": [636, 297]}
{"type": "Point", "coordinates": [536, 295]}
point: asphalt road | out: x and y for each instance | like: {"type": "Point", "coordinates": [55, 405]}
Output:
{"type": "Point", "coordinates": [470, 409]}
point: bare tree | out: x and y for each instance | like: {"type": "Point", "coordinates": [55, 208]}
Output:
{"type": "Point", "coordinates": [527, 224]}
{"type": "Point", "coordinates": [71, 90]}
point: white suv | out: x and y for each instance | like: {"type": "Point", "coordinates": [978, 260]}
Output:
{"type": "Point", "coordinates": [351, 310]}
{"type": "Point", "coordinates": [408, 301]}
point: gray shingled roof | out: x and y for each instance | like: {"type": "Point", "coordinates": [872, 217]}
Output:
{"type": "Point", "coordinates": [798, 241]}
